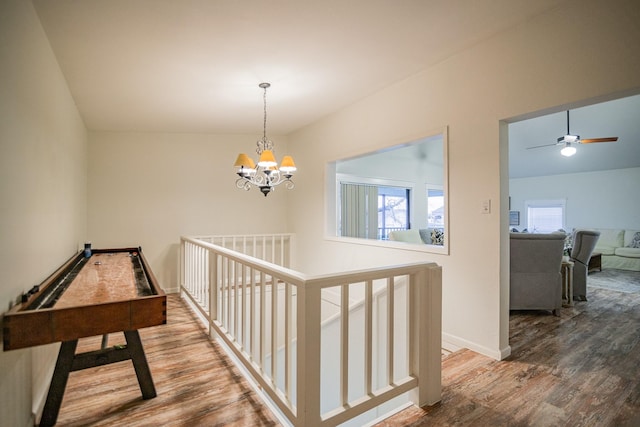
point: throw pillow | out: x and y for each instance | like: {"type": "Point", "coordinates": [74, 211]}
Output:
{"type": "Point", "coordinates": [437, 237]}
{"type": "Point", "coordinates": [635, 242]}
{"type": "Point", "coordinates": [425, 235]}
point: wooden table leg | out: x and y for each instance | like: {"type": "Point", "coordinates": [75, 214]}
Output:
{"type": "Point", "coordinates": [58, 383]}
{"type": "Point", "coordinates": [68, 362]}
{"type": "Point", "coordinates": [140, 364]}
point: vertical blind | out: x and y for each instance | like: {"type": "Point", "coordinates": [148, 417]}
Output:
{"type": "Point", "coordinates": [359, 210]}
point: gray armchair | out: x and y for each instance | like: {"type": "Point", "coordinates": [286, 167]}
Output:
{"type": "Point", "coordinates": [535, 282]}
{"type": "Point", "coordinates": [583, 243]}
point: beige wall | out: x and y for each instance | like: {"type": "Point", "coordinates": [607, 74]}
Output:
{"type": "Point", "coordinates": [42, 190]}
{"type": "Point", "coordinates": [581, 51]}
{"type": "Point", "coordinates": [148, 189]}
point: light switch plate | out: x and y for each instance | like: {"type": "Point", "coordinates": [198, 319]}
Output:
{"type": "Point", "coordinates": [486, 206]}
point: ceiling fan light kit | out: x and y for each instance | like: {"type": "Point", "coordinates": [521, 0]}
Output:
{"type": "Point", "coordinates": [568, 150]}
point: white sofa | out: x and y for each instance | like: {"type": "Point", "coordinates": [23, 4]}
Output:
{"type": "Point", "coordinates": [615, 245]}
{"type": "Point", "coordinates": [429, 236]}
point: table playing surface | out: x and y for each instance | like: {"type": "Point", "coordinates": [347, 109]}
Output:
{"type": "Point", "coordinates": [106, 277]}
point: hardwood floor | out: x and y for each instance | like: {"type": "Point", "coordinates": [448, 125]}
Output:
{"type": "Point", "coordinates": [582, 368]}
{"type": "Point", "coordinates": [579, 369]}
{"type": "Point", "coordinates": [196, 383]}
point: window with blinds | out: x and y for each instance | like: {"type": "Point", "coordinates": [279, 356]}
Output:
{"type": "Point", "coordinates": [372, 211]}
{"type": "Point", "coordinates": [545, 216]}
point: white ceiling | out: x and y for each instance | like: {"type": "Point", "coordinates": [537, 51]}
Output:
{"type": "Point", "coordinates": [195, 65]}
{"type": "Point", "coordinates": [619, 118]}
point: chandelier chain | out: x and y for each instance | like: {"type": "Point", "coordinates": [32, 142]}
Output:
{"type": "Point", "coordinates": [264, 143]}
{"type": "Point", "coordinates": [264, 126]}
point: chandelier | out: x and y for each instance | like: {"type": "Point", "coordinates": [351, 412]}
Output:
{"type": "Point", "coordinates": [266, 175]}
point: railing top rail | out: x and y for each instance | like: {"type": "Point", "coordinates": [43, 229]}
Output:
{"type": "Point", "coordinates": [327, 280]}
{"type": "Point", "coordinates": [230, 236]}
{"type": "Point", "coordinates": [281, 273]}
{"type": "Point", "coordinates": [322, 281]}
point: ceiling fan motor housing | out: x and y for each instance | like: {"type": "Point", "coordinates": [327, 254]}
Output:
{"type": "Point", "coordinates": [568, 139]}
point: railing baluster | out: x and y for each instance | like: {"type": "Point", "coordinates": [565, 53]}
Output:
{"type": "Point", "coordinates": [197, 272]}
{"type": "Point", "coordinates": [243, 312]}
{"type": "Point", "coordinates": [194, 269]}
{"type": "Point", "coordinates": [254, 249]}
{"type": "Point", "coordinates": [368, 336]}
{"type": "Point", "coordinates": [344, 345]}
{"type": "Point", "coordinates": [273, 250]}
{"type": "Point", "coordinates": [287, 340]}
{"type": "Point", "coordinates": [264, 248]}
{"type": "Point", "coordinates": [244, 244]}
{"type": "Point", "coordinates": [390, 324]}
{"type": "Point", "coordinates": [225, 293]}
{"type": "Point", "coordinates": [201, 276]}
{"type": "Point", "coordinates": [252, 324]}
{"type": "Point", "coordinates": [263, 318]}
{"type": "Point", "coordinates": [213, 286]}
{"type": "Point", "coordinates": [228, 292]}
{"type": "Point", "coordinates": [274, 329]}
{"type": "Point", "coordinates": [236, 302]}
{"type": "Point", "coordinates": [283, 248]}
{"type": "Point", "coordinates": [187, 266]}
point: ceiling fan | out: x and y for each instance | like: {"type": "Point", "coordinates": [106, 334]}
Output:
{"type": "Point", "coordinates": [569, 140]}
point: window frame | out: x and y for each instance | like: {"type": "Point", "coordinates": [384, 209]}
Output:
{"type": "Point", "coordinates": [378, 182]}
{"type": "Point", "coordinates": [545, 203]}
{"type": "Point", "coordinates": [439, 188]}
{"type": "Point", "coordinates": [330, 190]}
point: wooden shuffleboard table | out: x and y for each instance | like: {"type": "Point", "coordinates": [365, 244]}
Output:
{"type": "Point", "coordinates": [112, 290]}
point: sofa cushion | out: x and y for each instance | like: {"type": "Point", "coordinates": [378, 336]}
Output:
{"type": "Point", "coordinates": [632, 239]}
{"type": "Point", "coordinates": [605, 250]}
{"type": "Point", "coordinates": [628, 252]}
{"type": "Point", "coordinates": [610, 237]}
{"type": "Point", "coordinates": [408, 236]}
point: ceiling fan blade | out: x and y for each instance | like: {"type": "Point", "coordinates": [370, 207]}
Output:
{"type": "Point", "coordinates": [540, 146]}
{"type": "Point", "coordinates": [592, 140]}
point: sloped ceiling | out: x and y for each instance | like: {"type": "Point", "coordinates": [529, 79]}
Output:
{"type": "Point", "coordinates": [195, 65]}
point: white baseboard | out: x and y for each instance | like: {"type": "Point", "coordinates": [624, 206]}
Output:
{"type": "Point", "coordinates": [173, 289]}
{"type": "Point", "coordinates": [453, 343]}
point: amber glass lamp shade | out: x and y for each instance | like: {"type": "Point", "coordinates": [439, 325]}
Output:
{"type": "Point", "coordinates": [267, 159]}
{"type": "Point", "coordinates": [244, 161]}
{"type": "Point", "coordinates": [287, 165]}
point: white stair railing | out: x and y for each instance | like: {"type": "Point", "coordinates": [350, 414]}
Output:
{"type": "Point", "coordinates": [275, 321]}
